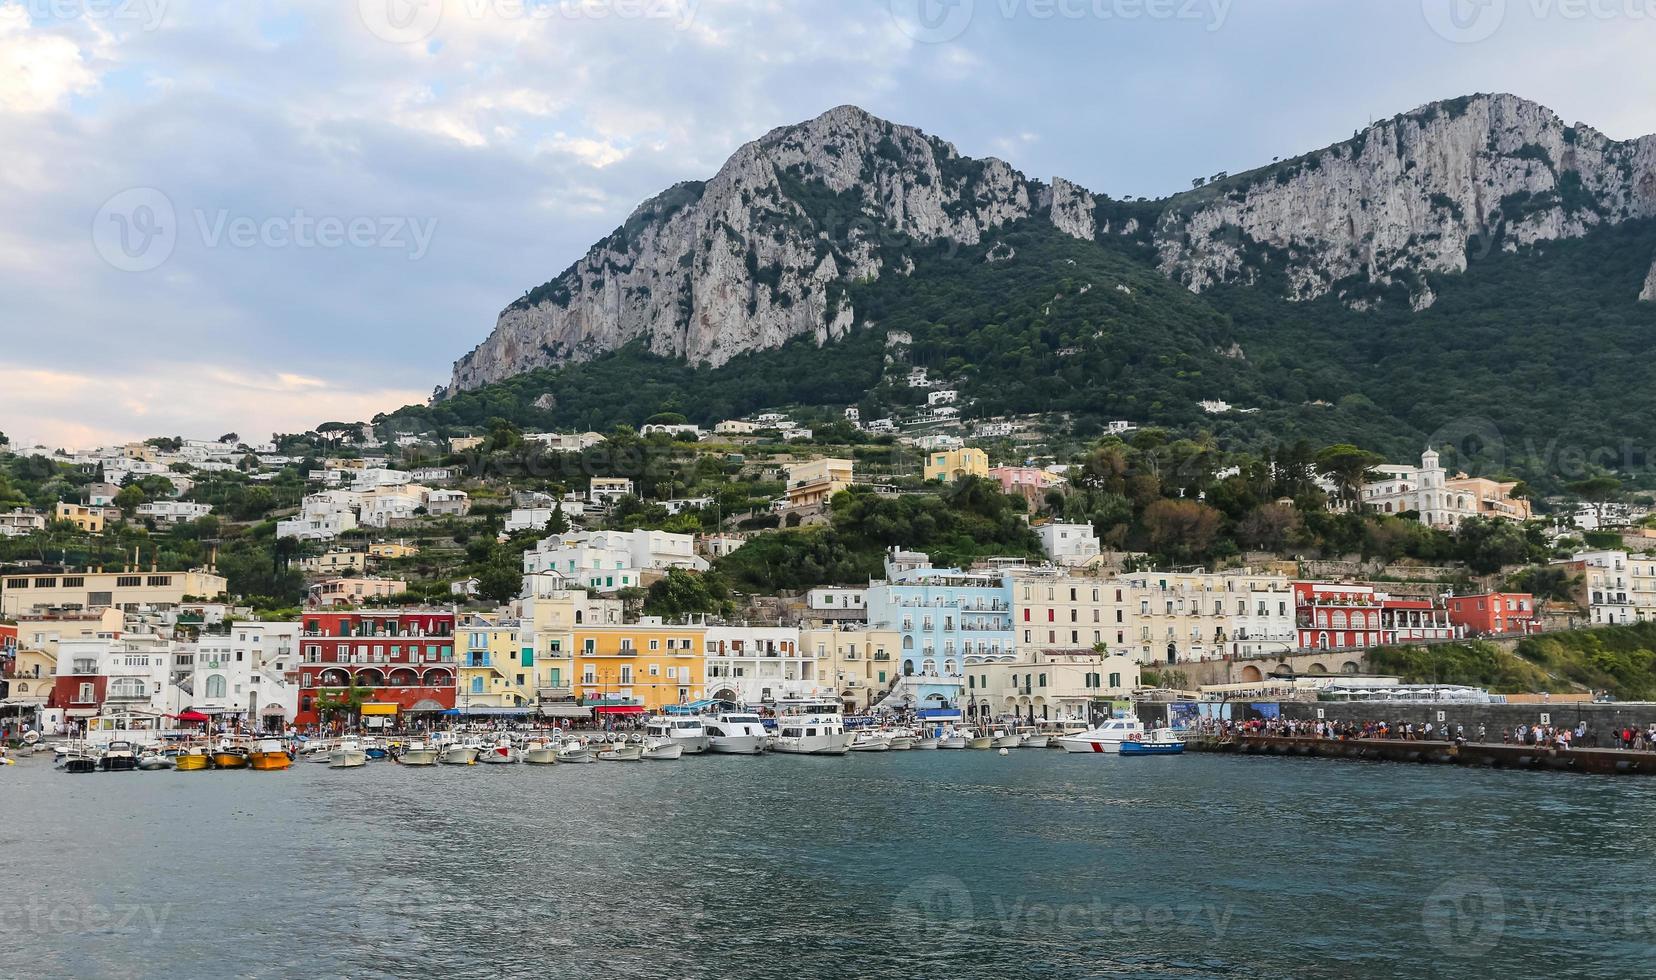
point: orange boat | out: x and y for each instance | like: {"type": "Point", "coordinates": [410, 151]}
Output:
{"type": "Point", "coordinates": [269, 753]}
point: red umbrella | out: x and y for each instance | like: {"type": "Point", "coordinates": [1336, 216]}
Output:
{"type": "Point", "coordinates": [193, 716]}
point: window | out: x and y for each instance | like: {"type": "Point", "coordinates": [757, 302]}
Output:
{"type": "Point", "coordinates": [129, 581]}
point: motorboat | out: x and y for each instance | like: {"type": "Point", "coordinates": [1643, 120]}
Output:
{"type": "Point", "coordinates": [735, 733]}
{"type": "Point", "coordinates": [663, 749]}
{"type": "Point", "coordinates": [812, 728]}
{"type": "Point", "coordinates": [79, 763]}
{"type": "Point", "coordinates": [1106, 738]}
{"type": "Point", "coordinates": [317, 750]}
{"type": "Point", "coordinates": [416, 752]}
{"type": "Point", "coordinates": [870, 741]}
{"type": "Point", "coordinates": [375, 748]}
{"type": "Point", "coordinates": [269, 754]}
{"type": "Point", "coordinates": [540, 752]}
{"type": "Point", "coordinates": [926, 742]}
{"type": "Point", "coordinates": [1161, 741]}
{"type": "Point", "coordinates": [1005, 738]}
{"type": "Point", "coordinates": [901, 739]}
{"type": "Point", "coordinates": [687, 730]}
{"type": "Point", "coordinates": [503, 752]}
{"type": "Point", "coordinates": [622, 752]}
{"type": "Point", "coordinates": [153, 759]}
{"type": "Point", "coordinates": [348, 754]}
{"type": "Point", "coordinates": [118, 756]}
{"type": "Point", "coordinates": [460, 753]}
{"type": "Point", "coordinates": [573, 751]}
{"type": "Point", "coordinates": [976, 741]}
{"type": "Point", "coordinates": [230, 754]}
{"type": "Point", "coordinates": [953, 738]}
{"type": "Point", "coordinates": [1030, 737]}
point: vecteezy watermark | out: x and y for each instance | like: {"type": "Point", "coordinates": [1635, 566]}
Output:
{"type": "Point", "coordinates": [1471, 21]}
{"type": "Point", "coordinates": [412, 21]}
{"type": "Point", "coordinates": [1464, 917]}
{"type": "Point", "coordinates": [38, 916]}
{"type": "Point", "coordinates": [938, 21]}
{"type": "Point", "coordinates": [146, 14]}
{"type": "Point", "coordinates": [137, 230]}
{"type": "Point", "coordinates": [942, 908]}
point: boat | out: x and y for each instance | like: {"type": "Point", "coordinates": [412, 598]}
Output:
{"type": "Point", "coordinates": [622, 752]}
{"type": "Point", "coordinates": [1003, 738]}
{"type": "Point", "coordinates": [1106, 738]}
{"type": "Point", "coordinates": [152, 759]}
{"type": "Point", "coordinates": [540, 752]}
{"type": "Point", "coordinates": [735, 733]}
{"type": "Point", "coordinates": [574, 752]}
{"type": "Point", "coordinates": [1149, 746]}
{"type": "Point", "coordinates": [901, 739]}
{"type": "Point", "coordinates": [976, 741]}
{"type": "Point", "coordinates": [664, 749]}
{"type": "Point", "coordinates": [118, 756]}
{"type": "Point", "coordinates": [502, 752]}
{"type": "Point", "coordinates": [812, 728]}
{"type": "Point", "coordinates": [230, 755]}
{"type": "Point", "coordinates": [416, 752]}
{"type": "Point", "coordinates": [80, 763]}
{"type": "Point", "coordinates": [871, 741]}
{"type": "Point", "coordinates": [316, 750]}
{"type": "Point", "coordinates": [953, 738]}
{"type": "Point", "coordinates": [375, 749]}
{"type": "Point", "coordinates": [269, 754]}
{"type": "Point", "coordinates": [347, 754]}
{"type": "Point", "coordinates": [687, 730]}
{"type": "Point", "coordinates": [926, 742]}
{"type": "Point", "coordinates": [1031, 737]}
{"type": "Point", "coordinates": [460, 753]}
{"type": "Point", "coordinates": [192, 758]}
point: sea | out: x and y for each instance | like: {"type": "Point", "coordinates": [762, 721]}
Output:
{"type": "Point", "coordinates": [921, 864]}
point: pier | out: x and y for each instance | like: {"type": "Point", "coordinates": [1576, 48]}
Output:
{"type": "Point", "coordinates": [1604, 762]}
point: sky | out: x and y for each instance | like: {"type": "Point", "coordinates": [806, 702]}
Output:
{"type": "Point", "coordinates": [248, 216]}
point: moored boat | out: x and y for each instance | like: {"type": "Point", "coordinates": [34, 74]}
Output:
{"type": "Point", "coordinates": [192, 758]}
{"type": "Point", "coordinates": [152, 759]}
{"type": "Point", "coordinates": [416, 752]}
{"type": "Point", "coordinates": [812, 728]}
{"type": "Point", "coordinates": [269, 754]}
{"type": "Point", "coordinates": [1106, 738]}
{"type": "Point", "coordinates": [460, 753]}
{"type": "Point", "coordinates": [1003, 738]}
{"type": "Point", "coordinates": [540, 752]}
{"type": "Point", "coordinates": [735, 733]}
{"type": "Point", "coordinates": [976, 741]}
{"type": "Point", "coordinates": [118, 756]}
{"type": "Point", "coordinates": [574, 752]}
{"type": "Point", "coordinates": [686, 730]}
{"type": "Point", "coordinates": [663, 750]}
{"type": "Point", "coordinates": [230, 755]}
{"type": "Point", "coordinates": [870, 741]}
{"type": "Point", "coordinates": [1031, 737]}
{"type": "Point", "coordinates": [347, 754]}
{"type": "Point", "coordinates": [503, 752]}
{"type": "Point", "coordinates": [622, 752]}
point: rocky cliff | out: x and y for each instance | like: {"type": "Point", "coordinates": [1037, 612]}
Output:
{"type": "Point", "coordinates": [760, 253]}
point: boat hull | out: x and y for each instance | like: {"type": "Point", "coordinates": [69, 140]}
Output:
{"type": "Point", "coordinates": [813, 745]}
{"type": "Point", "coordinates": [926, 743]}
{"type": "Point", "coordinates": [191, 762]}
{"type": "Point", "coordinates": [622, 753]}
{"type": "Point", "coordinates": [1008, 742]}
{"type": "Point", "coordinates": [80, 765]}
{"type": "Point", "coordinates": [418, 757]}
{"type": "Point", "coordinates": [229, 760]}
{"type": "Point", "coordinates": [500, 757]}
{"type": "Point", "coordinates": [459, 755]}
{"type": "Point", "coordinates": [664, 753]}
{"type": "Point", "coordinates": [1035, 742]}
{"type": "Point", "coordinates": [1089, 746]}
{"type": "Point", "coordinates": [901, 743]}
{"type": "Point", "coordinates": [347, 759]}
{"type": "Point", "coordinates": [980, 742]}
{"type": "Point", "coordinates": [541, 757]}
{"type": "Point", "coordinates": [269, 761]}
{"type": "Point", "coordinates": [119, 763]}
{"type": "Point", "coordinates": [575, 755]}
{"type": "Point", "coordinates": [739, 744]}
{"type": "Point", "coordinates": [1143, 748]}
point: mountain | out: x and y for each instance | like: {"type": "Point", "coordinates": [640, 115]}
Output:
{"type": "Point", "coordinates": [766, 250]}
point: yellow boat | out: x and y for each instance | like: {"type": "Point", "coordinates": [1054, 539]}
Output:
{"type": "Point", "coordinates": [228, 757]}
{"type": "Point", "coordinates": [192, 759]}
{"type": "Point", "coordinates": [268, 754]}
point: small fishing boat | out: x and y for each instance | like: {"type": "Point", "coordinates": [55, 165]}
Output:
{"type": "Point", "coordinates": [1003, 738]}
{"type": "Point", "coordinates": [78, 759]}
{"type": "Point", "coordinates": [663, 750]}
{"type": "Point", "coordinates": [347, 754]}
{"type": "Point", "coordinates": [622, 752]}
{"type": "Point", "coordinates": [502, 752]}
{"type": "Point", "coordinates": [416, 753]}
{"type": "Point", "coordinates": [268, 755]}
{"type": "Point", "coordinates": [1031, 738]}
{"type": "Point", "coordinates": [1152, 748]}
{"type": "Point", "coordinates": [192, 758]}
{"type": "Point", "coordinates": [460, 753]}
{"type": "Point", "coordinates": [953, 738]}
{"type": "Point", "coordinates": [118, 756]}
{"type": "Point", "coordinates": [376, 749]}
{"type": "Point", "coordinates": [926, 742]}
{"type": "Point", "coordinates": [901, 739]}
{"type": "Point", "coordinates": [976, 741]}
{"type": "Point", "coordinates": [870, 742]}
{"type": "Point", "coordinates": [574, 752]}
{"type": "Point", "coordinates": [540, 752]}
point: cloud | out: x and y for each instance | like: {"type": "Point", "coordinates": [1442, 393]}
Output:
{"type": "Point", "coordinates": [42, 71]}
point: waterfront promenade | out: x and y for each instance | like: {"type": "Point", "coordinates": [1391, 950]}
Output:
{"type": "Point", "coordinates": [1596, 761]}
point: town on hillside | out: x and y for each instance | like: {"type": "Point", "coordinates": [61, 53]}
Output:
{"type": "Point", "coordinates": [339, 576]}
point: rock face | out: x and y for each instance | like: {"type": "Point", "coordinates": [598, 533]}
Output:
{"type": "Point", "coordinates": [758, 254]}
{"type": "Point", "coordinates": [1416, 193]}
{"type": "Point", "coordinates": [762, 252]}
{"type": "Point", "coordinates": [1648, 294]}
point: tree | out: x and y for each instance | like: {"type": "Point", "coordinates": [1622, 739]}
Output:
{"type": "Point", "coordinates": [1348, 467]}
{"type": "Point", "coordinates": [502, 579]}
{"type": "Point", "coordinates": [1596, 490]}
{"type": "Point", "coordinates": [1181, 529]}
{"type": "Point", "coordinates": [130, 497]}
{"type": "Point", "coordinates": [332, 703]}
{"type": "Point", "coordinates": [684, 593]}
{"type": "Point", "coordinates": [1270, 527]}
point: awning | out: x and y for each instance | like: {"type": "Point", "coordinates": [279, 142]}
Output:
{"type": "Point", "coordinates": [619, 709]}
{"type": "Point", "coordinates": [81, 713]}
{"type": "Point", "coordinates": [376, 708]}
{"type": "Point", "coordinates": [193, 715]}
{"type": "Point", "coordinates": [494, 709]}
{"type": "Point", "coordinates": [427, 704]}
{"type": "Point", "coordinates": [565, 711]}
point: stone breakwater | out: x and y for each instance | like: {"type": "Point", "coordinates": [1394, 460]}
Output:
{"type": "Point", "coordinates": [1486, 755]}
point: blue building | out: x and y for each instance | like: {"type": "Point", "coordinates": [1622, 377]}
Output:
{"type": "Point", "coordinates": [947, 620]}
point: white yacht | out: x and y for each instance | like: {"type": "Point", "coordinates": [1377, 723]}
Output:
{"type": "Point", "coordinates": [459, 753]}
{"type": "Point", "coordinates": [574, 751]}
{"type": "Point", "coordinates": [503, 752]}
{"type": "Point", "coordinates": [540, 752]}
{"type": "Point", "coordinates": [417, 752]}
{"type": "Point", "coordinates": [1106, 738]}
{"type": "Point", "coordinates": [1005, 738]}
{"type": "Point", "coordinates": [686, 730]}
{"type": "Point", "coordinates": [870, 740]}
{"type": "Point", "coordinates": [348, 754]}
{"type": "Point", "coordinates": [812, 728]}
{"type": "Point", "coordinates": [735, 733]}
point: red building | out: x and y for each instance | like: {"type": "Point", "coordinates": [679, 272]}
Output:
{"type": "Point", "coordinates": [1494, 613]}
{"type": "Point", "coordinates": [404, 656]}
{"type": "Point", "coordinates": [1342, 617]}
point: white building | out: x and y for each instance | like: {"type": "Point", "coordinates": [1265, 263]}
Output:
{"type": "Point", "coordinates": [837, 602]}
{"type": "Point", "coordinates": [604, 561]}
{"type": "Point", "coordinates": [757, 665]}
{"type": "Point", "coordinates": [736, 427]}
{"type": "Point", "coordinates": [942, 396]}
{"type": "Point", "coordinates": [248, 674]}
{"type": "Point", "coordinates": [528, 518]}
{"type": "Point", "coordinates": [174, 511]}
{"type": "Point", "coordinates": [444, 503]}
{"type": "Point", "coordinates": [1068, 544]}
{"type": "Point", "coordinates": [21, 523]}
{"type": "Point", "coordinates": [560, 442]}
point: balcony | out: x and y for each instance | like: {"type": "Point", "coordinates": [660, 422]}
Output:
{"type": "Point", "coordinates": [555, 693]}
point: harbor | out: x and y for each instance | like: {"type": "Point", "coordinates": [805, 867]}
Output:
{"type": "Point", "coordinates": [1603, 762]}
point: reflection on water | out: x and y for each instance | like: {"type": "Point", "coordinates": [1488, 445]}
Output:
{"type": "Point", "coordinates": [919, 864]}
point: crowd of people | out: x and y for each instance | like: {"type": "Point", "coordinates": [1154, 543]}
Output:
{"type": "Point", "coordinates": [1546, 736]}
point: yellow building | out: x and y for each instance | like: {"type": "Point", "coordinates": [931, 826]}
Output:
{"type": "Point", "coordinates": [387, 550]}
{"type": "Point", "coordinates": [126, 590]}
{"type": "Point", "coordinates": [88, 519]}
{"type": "Point", "coordinates": [496, 665]}
{"type": "Point", "coordinates": [954, 464]}
{"type": "Point", "coordinates": [858, 663]}
{"type": "Point", "coordinates": [335, 562]}
{"type": "Point", "coordinates": [814, 482]}
{"type": "Point", "coordinates": [639, 667]}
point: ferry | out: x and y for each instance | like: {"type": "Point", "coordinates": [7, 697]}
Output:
{"type": "Point", "coordinates": [687, 731]}
{"type": "Point", "coordinates": [1106, 738]}
{"type": "Point", "coordinates": [735, 733]}
{"type": "Point", "coordinates": [812, 728]}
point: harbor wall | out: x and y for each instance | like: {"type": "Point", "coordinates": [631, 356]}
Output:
{"type": "Point", "coordinates": [1600, 717]}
